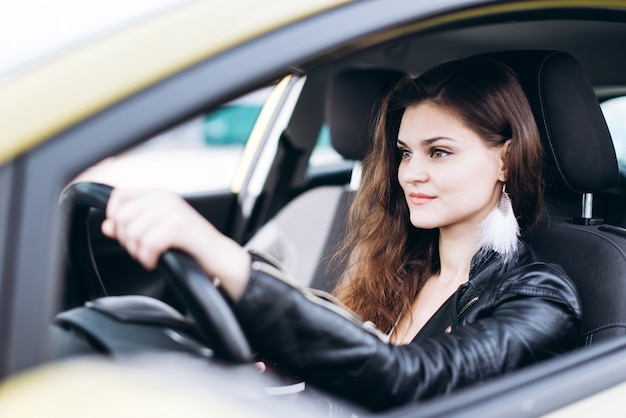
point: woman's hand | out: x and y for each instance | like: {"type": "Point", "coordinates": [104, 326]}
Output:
{"type": "Point", "coordinates": [148, 223]}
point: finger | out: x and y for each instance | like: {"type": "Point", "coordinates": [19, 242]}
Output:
{"type": "Point", "coordinates": [108, 228]}
{"type": "Point", "coordinates": [149, 234]}
{"type": "Point", "coordinates": [156, 241]}
{"type": "Point", "coordinates": [178, 229]}
{"type": "Point", "coordinates": [120, 199]}
{"type": "Point", "coordinates": [132, 214]}
{"type": "Point", "coordinates": [261, 366]}
{"type": "Point", "coordinates": [117, 197]}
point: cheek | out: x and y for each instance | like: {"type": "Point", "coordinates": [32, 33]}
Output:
{"type": "Point", "coordinates": [459, 187]}
{"type": "Point", "coordinates": [478, 185]}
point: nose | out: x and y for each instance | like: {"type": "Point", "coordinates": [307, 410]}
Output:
{"type": "Point", "coordinates": [413, 171]}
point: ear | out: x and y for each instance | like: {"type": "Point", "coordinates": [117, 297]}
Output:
{"type": "Point", "coordinates": [504, 160]}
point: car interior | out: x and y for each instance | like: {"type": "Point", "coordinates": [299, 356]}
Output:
{"type": "Point", "coordinates": [298, 216]}
{"type": "Point", "coordinates": [569, 234]}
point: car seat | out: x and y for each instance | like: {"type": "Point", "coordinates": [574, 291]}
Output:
{"type": "Point", "coordinates": [303, 235]}
{"type": "Point", "coordinates": [580, 161]}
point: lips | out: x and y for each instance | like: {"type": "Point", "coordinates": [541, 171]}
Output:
{"type": "Point", "coordinates": [420, 198]}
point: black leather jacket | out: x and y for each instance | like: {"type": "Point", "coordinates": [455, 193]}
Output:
{"type": "Point", "coordinates": [506, 316]}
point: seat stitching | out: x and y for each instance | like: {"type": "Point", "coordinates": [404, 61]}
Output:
{"type": "Point", "coordinates": [545, 118]}
{"type": "Point", "coordinates": [606, 326]}
{"type": "Point", "coordinates": [602, 236]}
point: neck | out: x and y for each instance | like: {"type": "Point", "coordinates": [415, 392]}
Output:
{"type": "Point", "coordinates": [455, 254]}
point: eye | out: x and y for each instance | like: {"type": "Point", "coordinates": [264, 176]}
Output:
{"type": "Point", "coordinates": [439, 153]}
{"type": "Point", "coordinates": [405, 154]}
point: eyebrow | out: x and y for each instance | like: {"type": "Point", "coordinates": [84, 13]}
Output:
{"type": "Point", "coordinates": [428, 141]}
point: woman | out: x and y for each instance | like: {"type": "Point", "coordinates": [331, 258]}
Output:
{"type": "Point", "coordinates": [449, 293]}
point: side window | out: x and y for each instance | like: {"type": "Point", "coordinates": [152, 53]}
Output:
{"type": "Point", "coordinates": [198, 155]}
{"type": "Point", "coordinates": [615, 114]}
{"type": "Point", "coordinates": [324, 153]}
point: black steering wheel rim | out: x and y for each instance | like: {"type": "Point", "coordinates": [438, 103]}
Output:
{"type": "Point", "coordinates": [207, 306]}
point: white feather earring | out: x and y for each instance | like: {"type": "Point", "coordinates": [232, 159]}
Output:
{"type": "Point", "coordinates": [500, 231]}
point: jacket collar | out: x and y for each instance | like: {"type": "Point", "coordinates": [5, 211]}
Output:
{"type": "Point", "coordinates": [487, 264]}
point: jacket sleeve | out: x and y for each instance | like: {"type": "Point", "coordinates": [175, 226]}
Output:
{"type": "Point", "coordinates": [329, 347]}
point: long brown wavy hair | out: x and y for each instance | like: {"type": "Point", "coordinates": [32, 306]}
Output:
{"type": "Point", "coordinates": [387, 259]}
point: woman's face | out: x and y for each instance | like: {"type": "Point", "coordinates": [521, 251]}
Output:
{"type": "Point", "coordinates": [450, 178]}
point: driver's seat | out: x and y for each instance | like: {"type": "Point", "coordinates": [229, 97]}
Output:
{"type": "Point", "coordinates": [580, 161]}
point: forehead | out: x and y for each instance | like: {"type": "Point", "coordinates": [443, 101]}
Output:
{"type": "Point", "coordinates": [426, 121]}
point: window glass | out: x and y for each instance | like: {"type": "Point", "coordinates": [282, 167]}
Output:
{"type": "Point", "coordinates": [324, 154]}
{"type": "Point", "coordinates": [199, 155]}
{"type": "Point", "coordinates": [615, 114]}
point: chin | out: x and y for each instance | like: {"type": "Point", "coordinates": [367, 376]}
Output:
{"type": "Point", "coordinates": [424, 224]}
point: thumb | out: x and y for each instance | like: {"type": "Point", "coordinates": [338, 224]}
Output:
{"type": "Point", "coordinates": [108, 228]}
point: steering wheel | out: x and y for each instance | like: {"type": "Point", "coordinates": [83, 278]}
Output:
{"type": "Point", "coordinates": [216, 321]}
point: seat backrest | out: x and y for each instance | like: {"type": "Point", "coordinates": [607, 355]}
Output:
{"type": "Point", "coordinates": [580, 160]}
{"type": "Point", "coordinates": [304, 233]}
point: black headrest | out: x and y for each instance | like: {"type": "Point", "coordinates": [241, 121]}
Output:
{"type": "Point", "coordinates": [351, 105]}
{"type": "Point", "coordinates": [579, 151]}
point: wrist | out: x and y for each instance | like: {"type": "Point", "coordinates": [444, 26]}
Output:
{"type": "Point", "coordinates": [222, 258]}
